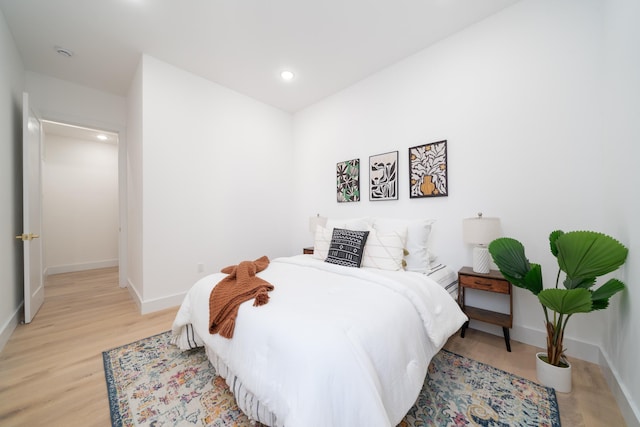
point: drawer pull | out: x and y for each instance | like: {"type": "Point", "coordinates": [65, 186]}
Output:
{"type": "Point", "coordinates": [482, 283]}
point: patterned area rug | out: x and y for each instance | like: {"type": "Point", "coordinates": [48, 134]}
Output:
{"type": "Point", "coordinates": [152, 383]}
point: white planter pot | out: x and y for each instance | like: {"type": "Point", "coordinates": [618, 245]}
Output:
{"type": "Point", "coordinates": [553, 376]}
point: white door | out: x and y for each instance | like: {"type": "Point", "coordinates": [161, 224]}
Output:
{"type": "Point", "coordinates": [32, 210]}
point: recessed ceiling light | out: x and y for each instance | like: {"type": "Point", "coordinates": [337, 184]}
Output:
{"type": "Point", "coordinates": [102, 137]}
{"type": "Point", "coordinates": [287, 75]}
{"type": "Point", "coordinates": [64, 52]}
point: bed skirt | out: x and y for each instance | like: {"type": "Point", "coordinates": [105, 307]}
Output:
{"type": "Point", "coordinates": [246, 401]}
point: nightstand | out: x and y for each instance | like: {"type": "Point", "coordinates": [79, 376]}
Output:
{"type": "Point", "coordinates": [490, 282]}
{"type": "Point", "coordinates": [308, 251]}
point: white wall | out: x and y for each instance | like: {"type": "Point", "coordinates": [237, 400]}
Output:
{"type": "Point", "coordinates": [80, 204]}
{"type": "Point", "coordinates": [510, 100]}
{"type": "Point", "coordinates": [622, 200]}
{"type": "Point", "coordinates": [11, 87]}
{"type": "Point", "coordinates": [216, 180]}
{"type": "Point", "coordinates": [519, 97]}
{"type": "Point", "coordinates": [70, 103]}
{"type": "Point", "coordinates": [134, 185]}
{"type": "Point", "coordinates": [67, 102]}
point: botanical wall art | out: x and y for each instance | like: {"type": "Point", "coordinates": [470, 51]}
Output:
{"type": "Point", "coordinates": [383, 176]}
{"type": "Point", "coordinates": [428, 170]}
{"type": "Point", "coordinates": [348, 180]}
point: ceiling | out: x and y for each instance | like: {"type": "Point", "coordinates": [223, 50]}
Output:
{"type": "Point", "coordinates": [241, 44]}
{"type": "Point", "coordinates": [78, 132]}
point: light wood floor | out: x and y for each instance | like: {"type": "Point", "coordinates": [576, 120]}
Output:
{"type": "Point", "coordinates": [51, 371]}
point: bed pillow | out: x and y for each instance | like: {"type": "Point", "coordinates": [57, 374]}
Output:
{"type": "Point", "coordinates": [322, 242]}
{"type": "Point", "coordinates": [385, 251]}
{"type": "Point", "coordinates": [347, 247]}
{"type": "Point", "coordinates": [361, 224]}
{"type": "Point", "coordinates": [418, 230]}
{"type": "Point", "coordinates": [322, 238]}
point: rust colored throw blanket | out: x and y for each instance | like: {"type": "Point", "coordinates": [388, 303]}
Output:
{"type": "Point", "coordinates": [239, 286]}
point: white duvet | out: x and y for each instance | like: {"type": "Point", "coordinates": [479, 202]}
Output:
{"type": "Point", "coordinates": [335, 346]}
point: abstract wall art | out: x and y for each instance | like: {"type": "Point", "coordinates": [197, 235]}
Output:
{"type": "Point", "coordinates": [348, 181]}
{"type": "Point", "coordinates": [383, 176]}
{"type": "Point", "coordinates": [428, 170]}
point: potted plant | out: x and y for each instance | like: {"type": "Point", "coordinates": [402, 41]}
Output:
{"type": "Point", "coordinates": [583, 256]}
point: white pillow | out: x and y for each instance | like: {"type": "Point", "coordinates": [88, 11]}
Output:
{"type": "Point", "coordinates": [418, 231]}
{"type": "Point", "coordinates": [385, 251]}
{"type": "Point", "coordinates": [358, 224]}
{"type": "Point", "coordinates": [323, 235]}
{"type": "Point", "coordinates": [322, 242]}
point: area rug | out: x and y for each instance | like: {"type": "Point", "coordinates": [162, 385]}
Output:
{"type": "Point", "coordinates": [152, 383]}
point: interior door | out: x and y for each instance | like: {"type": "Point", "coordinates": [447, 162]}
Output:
{"type": "Point", "coordinates": [32, 210]}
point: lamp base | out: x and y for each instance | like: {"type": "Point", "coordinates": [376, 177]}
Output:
{"type": "Point", "coordinates": [481, 260]}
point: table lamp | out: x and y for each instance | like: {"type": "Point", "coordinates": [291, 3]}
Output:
{"type": "Point", "coordinates": [315, 221]}
{"type": "Point", "coordinates": [480, 231]}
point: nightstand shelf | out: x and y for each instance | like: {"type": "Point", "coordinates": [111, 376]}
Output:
{"type": "Point", "coordinates": [308, 251]}
{"type": "Point", "coordinates": [490, 282]}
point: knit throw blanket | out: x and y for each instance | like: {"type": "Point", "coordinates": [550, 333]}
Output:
{"type": "Point", "coordinates": [239, 286]}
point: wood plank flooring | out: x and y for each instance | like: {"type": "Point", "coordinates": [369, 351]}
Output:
{"type": "Point", "coordinates": [51, 371]}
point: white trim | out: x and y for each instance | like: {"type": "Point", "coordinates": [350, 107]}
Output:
{"type": "Point", "coordinates": [538, 338]}
{"type": "Point", "coordinates": [70, 268]}
{"type": "Point", "coordinates": [134, 294]}
{"type": "Point", "coordinates": [576, 349]}
{"type": "Point", "coordinates": [629, 410]}
{"type": "Point", "coordinates": [162, 303]}
{"type": "Point", "coordinates": [156, 304]}
{"type": "Point", "coordinates": [10, 326]}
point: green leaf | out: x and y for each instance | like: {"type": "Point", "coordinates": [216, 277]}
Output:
{"type": "Point", "coordinates": [600, 304]}
{"type": "Point", "coordinates": [533, 279]}
{"type": "Point", "coordinates": [600, 296]}
{"type": "Point", "coordinates": [566, 301]}
{"type": "Point", "coordinates": [509, 256]}
{"type": "Point", "coordinates": [552, 241]}
{"type": "Point", "coordinates": [588, 254]}
{"type": "Point", "coordinates": [579, 282]}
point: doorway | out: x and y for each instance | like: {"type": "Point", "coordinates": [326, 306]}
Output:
{"type": "Point", "coordinates": [80, 198]}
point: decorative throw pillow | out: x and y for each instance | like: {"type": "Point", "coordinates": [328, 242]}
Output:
{"type": "Point", "coordinates": [385, 251]}
{"type": "Point", "coordinates": [418, 231]}
{"type": "Point", "coordinates": [347, 247]}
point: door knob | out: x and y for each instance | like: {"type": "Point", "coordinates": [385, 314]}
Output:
{"type": "Point", "coordinates": [25, 237]}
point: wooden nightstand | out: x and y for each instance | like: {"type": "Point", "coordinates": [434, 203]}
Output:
{"type": "Point", "coordinates": [490, 282]}
{"type": "Point", "coordinates": [308, 251]}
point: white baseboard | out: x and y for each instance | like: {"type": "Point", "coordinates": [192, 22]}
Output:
{"type": "Point", "coordinates": [149, 306]}
{"type": "Point", "coordinates": [629, 410]}
{"type": "Point", "coordinates": [538, 338]}
{"type": "Point", "coordinates": [71, 268]}
{"type": "Point", "coordinates": [134, 294]}
{"type": "Point", "coordinates": [158, 304]}
{"type": "Point", "coordinates": [10, 326]}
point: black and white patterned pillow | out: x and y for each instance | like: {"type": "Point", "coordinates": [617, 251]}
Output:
{"type": "Point", "coordinates": [347, 247]}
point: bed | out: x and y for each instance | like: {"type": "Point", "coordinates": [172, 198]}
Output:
{"type": "Point", "coordinates": [334, 346]}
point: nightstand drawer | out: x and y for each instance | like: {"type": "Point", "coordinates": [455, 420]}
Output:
{"type": "Point", "coordinates": [485, 284]}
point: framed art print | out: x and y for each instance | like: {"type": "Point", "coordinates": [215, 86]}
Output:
{"type": "Point", "coordinates": [428, 170]}
{"type": "Point", "coordinates": [383, 176]}
{"type": "Point", "coordinates": [348, 181]}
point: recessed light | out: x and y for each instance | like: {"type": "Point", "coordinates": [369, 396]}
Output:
{"type": "Point", "coordinates": [102, 137]}
{"type": "Point", "coordinates": [287, 75]}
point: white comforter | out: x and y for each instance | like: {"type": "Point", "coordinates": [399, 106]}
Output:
{"type": "Point", "coordinates": [335, 346]}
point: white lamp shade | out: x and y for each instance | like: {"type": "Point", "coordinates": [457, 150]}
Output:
{"type": "Point", "coordinates": [480, 230]}
{"type": "Point", "coordinates": [315, 221]}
